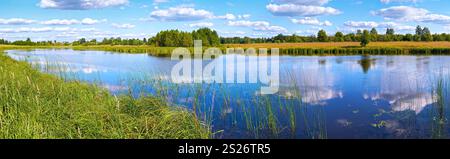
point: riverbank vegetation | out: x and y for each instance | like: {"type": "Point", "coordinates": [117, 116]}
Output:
{"type": "Point", "coordinates": [37, 105]}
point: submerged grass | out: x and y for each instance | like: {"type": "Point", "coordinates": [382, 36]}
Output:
{"type": "Point", "coordinates": [36, 105]}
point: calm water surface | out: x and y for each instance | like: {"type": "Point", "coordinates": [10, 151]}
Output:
{"type": "Point", "coordinates": [319, 97]}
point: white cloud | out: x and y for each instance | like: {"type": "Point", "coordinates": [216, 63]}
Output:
{"type": "Point", "coordinates": [80, 4]}
{"type": "Point", "coordinates": [26, 30]}
{"type": "Point", "coordinates": [396, 26]}
{"type": "Point", "coordinates": [227, 17]}
{"type": "Point", "coordinates": [406, 13]}
{"type": "Point", "coordinates": [400, 1]}
{"type": "Point", "coordinates": [181, 13]}
{"type": "Point", "coordinates": [311, 21]}
{"type": "Point", "coordinates": [300, 10]}
{"type": "Point", "coordinates": [201, 25]}
{"type": "Point", "coordinates": [89, 21]}
{"type": "Point", "coordinates": [85, 21]}
{"type": "Point", "coordinates": [123, 26]}
{"type": "Point", "coordinates": [16, 21]}
{"type": "Point", "coordinates": [61, 22]}
{"type": "Point", "coordinates": [361, 24]}
{"type": "Point", "coordinates": [248, 23]}
{"type": "Point", "coordinates": [274, 29]}
{"type": "Point", "coordinates": [45, 29]}
{"type": "Point", "coordinates": [88, 29]}
{"type": "Point", "coordinates": [370, 24]}
{"type": "Point", "coordinates": [232, 33]}
{"type": "Point", "coordinates": [304, 2]}
{"type": "Point", "coordinates": [258, 26]}
{"type": "Point", "coordinates": [160, 1]}
{"type": "Point", "coordinates": [244, 16]}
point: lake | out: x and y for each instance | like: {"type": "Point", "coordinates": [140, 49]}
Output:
{"type": "Point", "coordinates": [319, 97]}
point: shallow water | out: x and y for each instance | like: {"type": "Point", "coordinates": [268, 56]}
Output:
{"type": "Point", "coordinates": [319, 97]}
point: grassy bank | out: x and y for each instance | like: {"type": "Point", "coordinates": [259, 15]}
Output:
{"type": "Point", "coordinates": [154, 51]}
{"type": "Point", "coordinates": [353, 48]}
{"type": "Point", "coordinates": [37, 105]}
{"type": "Point", "coordinates": [305, 49]}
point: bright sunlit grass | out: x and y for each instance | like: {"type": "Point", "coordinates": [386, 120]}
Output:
{"type": "Point", "coordinates": [37, 105]}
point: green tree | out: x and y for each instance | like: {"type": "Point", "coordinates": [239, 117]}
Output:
{"type": "Point", "coordinates": [389, 34]}
{"type": "Point", "coordinates": [426, 34]}
{"type": "Point", "coordinates": [322, 36]}
{"type": "Point", "coordinates": [339, 37]}
{"type": "Point", "coordinates": [365, 38]}
{"type": "Point", "coordinates": [374, 34]}
{"type": "Point", "coordinates": [408, 37]}
{"type": "Point", "coordinates": [419, 33]}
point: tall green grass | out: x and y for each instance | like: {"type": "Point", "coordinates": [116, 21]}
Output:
{"type": "Point", "coordinates": [439, 110]}
{"type": "Point", "coordinates": [34, 105]}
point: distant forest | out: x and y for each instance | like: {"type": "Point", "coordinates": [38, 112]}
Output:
{"type": "Point", "coordinates": [209, 37]}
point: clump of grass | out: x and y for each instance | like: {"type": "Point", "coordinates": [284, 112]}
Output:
{"type": "Point", "coordinates": [37, 105]}
{"type": "Point", "coordinates": [439, 115]}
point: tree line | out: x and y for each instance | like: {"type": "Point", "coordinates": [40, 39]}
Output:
{"type": "Point", "coordinates": [209, 37]}
{"type": "Point", "coordinates": [167, 38]}
{"type": "Point", "coordinates": [422, 34]}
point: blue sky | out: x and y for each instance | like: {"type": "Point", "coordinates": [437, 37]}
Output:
{"type": "Point", "coordinates": [67, 20]}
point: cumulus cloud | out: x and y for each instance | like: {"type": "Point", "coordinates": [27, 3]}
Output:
{"type": "Point", "coordinates": [412, 14]}
{"type": "Point", "coordinates": [227, 16]}
{"type": "Point", "coordinates": [304, 2]}
{"type": "Point", "coordinates": [61, 22]}
{"type": "Point", "coordinates": [160, 1]}
{"type": "Point", "coordinates": [85, 21]}
{"type": "Point", "coordinates": [371, 24]}
{"type": "Point", "coordinates": [305, 8]}
{"type": "Point", "coordinates": [300, 10]}
{"type": "Point", "coordinates": [46, 29]}
{"type": "Point", "coordinates": [123, 26]}
{"type": "Point", "coordinates": [258, 26]}
{"type": "Point", "coordinates": [361, 24]}
{"type": "Point", "coordinates": [80, 4]}
{"type": "Point", "coordinates": [244, 16]}
{"type": "Point", "coordinates": [188, 13]}
{"type": "Point", "coordinates": [311, 21]}
{"type": "Point", "coordinates": [401, 1]}
{"type": "Point", "coordinates": [89, 21]}
{"type": "Point", "coordinates": [16, 21]}
{"type": "Point", "coordinates": [26, 30]}
{"type": "Point", "coordinates": [396, 26]}
{"type": "Point", "coordinates": [232, 33]}
{"type": "Point", "coordinates": [201, 25]}
{"type": "Point", "coordinates": [181, 14]}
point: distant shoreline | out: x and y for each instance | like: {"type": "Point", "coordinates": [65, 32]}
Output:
{"type": "Point", "coordinates": [294, 49]}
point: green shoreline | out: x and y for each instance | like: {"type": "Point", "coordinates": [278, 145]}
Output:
{"type": "Point", "coordinates": [293, 51]}
{"type": "Point", "coordinates": [36, 105]}
{"type": "Point", "coordinates": [166, 51]}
